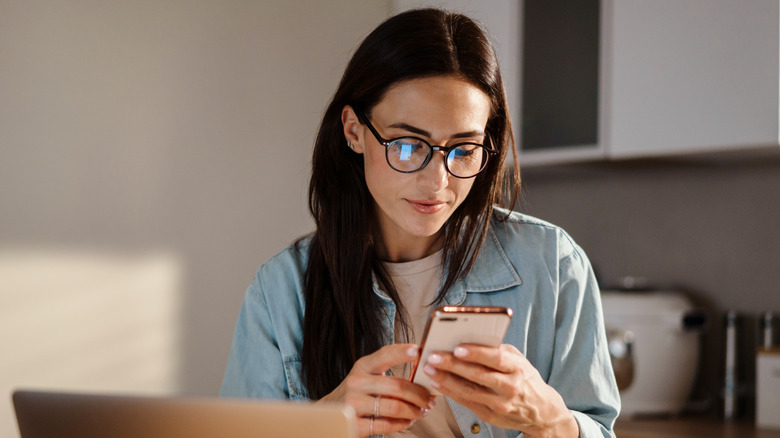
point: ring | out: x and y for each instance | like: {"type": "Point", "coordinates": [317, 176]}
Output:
{"type": "Point", "coordinates": [371, 427]}
{"type": "Point", "coordinates": [376, 405]}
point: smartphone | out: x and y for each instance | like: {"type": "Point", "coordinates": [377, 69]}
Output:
{"type": "Point", "coordinates": [450, 326]}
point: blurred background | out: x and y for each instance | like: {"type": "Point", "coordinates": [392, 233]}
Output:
{"type": "Point", "coordinates": [154, 154]}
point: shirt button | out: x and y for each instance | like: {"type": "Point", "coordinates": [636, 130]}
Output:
{"type": "Point", "coordinates": [475, 428]}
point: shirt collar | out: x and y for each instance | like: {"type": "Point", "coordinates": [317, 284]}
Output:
{"type": "Point", "coordinates": [492, 271]}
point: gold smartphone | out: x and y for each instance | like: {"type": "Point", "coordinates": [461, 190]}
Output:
{"type": "Point", "coordinates": [450, 326]}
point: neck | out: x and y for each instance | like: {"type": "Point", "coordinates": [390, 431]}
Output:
{"type": "Point", "coordinates": [408, 251]}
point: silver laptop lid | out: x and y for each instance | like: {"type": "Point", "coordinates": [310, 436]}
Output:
{"type": "Point", "coordinates": [43, 414]}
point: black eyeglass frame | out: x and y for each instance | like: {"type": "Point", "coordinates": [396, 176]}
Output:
{"type": "Point", "coordinates": [431, 148]}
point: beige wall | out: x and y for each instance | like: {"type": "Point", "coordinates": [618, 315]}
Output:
{"type": "Point", "coordinates": [707, 226]}
{"type": "Point", "coordinates": [185, 128]}
{"type": "Point", "coordinates": [182, 127]}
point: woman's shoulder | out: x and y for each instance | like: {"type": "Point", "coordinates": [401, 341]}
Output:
{"type": "Point", "coordinates": [504, 215]}
{"type": "Point", "coordinates": [287, 266]}
{"type": "Point", "coordinates": [299, 249]}
{"type": "Point", "coordinates": [521, 231]}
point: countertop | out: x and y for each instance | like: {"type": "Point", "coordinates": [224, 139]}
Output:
{"type": "Point", "coordinates": [691, 428]}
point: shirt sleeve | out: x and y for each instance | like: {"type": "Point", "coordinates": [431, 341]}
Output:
{"type": "Point", "coordinates": [582, 370]}
{"type": "Point", "coordinates": [255, 368]}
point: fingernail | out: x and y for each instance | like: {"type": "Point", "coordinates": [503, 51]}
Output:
{"type": "Point", "coordinates": [412, 352]}
{"type": "Point", "coordinates": [429, 370]}
{"type": "Point", "coordinates": [435, 384]}
{"type": "Point", "coordinates": [460, 352]}
{"type": "Point", "coordinates": [434, 358]}
{"type": "Point", "coordinates": [425, 412]}
{"type": "Point", "coordinates": [431, 404]}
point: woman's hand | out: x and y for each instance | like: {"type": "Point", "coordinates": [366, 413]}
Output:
{"type": "Point", "coordinates": [384, 404]}
{"type": "Point", "coordinates": [502, 387]}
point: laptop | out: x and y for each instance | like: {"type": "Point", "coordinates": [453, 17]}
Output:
{"type": "Point", "coordinates": [42, 414]}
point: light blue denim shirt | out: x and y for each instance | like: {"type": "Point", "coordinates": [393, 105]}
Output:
{"type": "Point", "coordinates": [526, 264]}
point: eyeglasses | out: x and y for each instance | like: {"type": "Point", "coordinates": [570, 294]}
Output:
{"type": "Point", "coordinates": [410, 154]}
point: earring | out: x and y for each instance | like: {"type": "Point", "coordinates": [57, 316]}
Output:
{"type": "Point", "coordinates": [349, 145]}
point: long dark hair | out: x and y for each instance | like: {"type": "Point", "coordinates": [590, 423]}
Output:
{"type": "Point", "coordinates": [344, 319]}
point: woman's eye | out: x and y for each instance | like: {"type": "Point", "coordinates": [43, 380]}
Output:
{"type": "Point", "coordinates": [462, 153]}
{"type": "Point", "coordinates": [410, 144]}
{"type": "Point", "coordinates": [406, 148]}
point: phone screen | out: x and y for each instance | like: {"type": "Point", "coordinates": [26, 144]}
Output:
{"type": "Point", "coordinates": [450, 326]}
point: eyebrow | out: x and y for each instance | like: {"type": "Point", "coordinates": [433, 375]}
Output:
{"type": "Point", "coordinates": [424, 133]}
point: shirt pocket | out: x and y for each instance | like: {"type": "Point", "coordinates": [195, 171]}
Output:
{"type": "Point", "coordinates": [294, 376]}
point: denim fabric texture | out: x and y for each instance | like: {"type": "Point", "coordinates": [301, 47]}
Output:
{"type": "Point", "coordinates": [526, 264]}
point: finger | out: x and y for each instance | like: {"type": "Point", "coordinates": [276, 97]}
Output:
{"type": "Point", "coordinates": [443, 368]}
{"type": "Point", "coordinates": [387, 357]}
{"type": "Point", "coordinates": [368, 386]}
{"type": "Point", "coordinates": [470, 381]}
{"type": "Point", "coordinates": [463, 391]}
{"type": "Point", "coordinates": [505, 358]}
{"type": "Point", "coordinates": [381, 426]}
{"type": "Point", "coordinates": [505, 366]}
{"type": "Point", "coordinates": [387, 407]}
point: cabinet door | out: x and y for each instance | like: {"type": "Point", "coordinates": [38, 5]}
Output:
{"type": "Point", "coordinates": [689, 75]}
{"type": "Point", "coordinates": [560, 81]}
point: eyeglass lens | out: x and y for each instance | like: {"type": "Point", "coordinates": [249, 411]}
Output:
{"type": "Point", "coordinates": [411, 154]}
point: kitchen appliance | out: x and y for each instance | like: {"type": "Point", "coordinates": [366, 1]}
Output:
{"type": "Point", "coordinates": [768, 388]}
{"type": "Point", "coordinates": [654, 339]}
{"type": "Point", "coordinates": [768, 379]}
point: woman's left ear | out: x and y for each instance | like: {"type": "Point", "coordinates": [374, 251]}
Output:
{"type": "Point", "coordinates": [351, 129]}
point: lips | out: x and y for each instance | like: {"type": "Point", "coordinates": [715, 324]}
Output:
{"type": "Point", "coordinates": [426, 207]}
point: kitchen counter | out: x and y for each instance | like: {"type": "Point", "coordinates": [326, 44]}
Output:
{"type": "Point", "coordinates": [690, 428]}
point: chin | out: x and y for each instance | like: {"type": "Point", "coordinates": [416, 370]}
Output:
{"type": "Point", "coordinates": [426, 230]}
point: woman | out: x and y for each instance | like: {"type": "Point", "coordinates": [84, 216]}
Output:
{"type": "Point", "coordinates": [408, 166]}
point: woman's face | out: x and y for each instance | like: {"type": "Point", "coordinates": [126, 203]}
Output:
{"type": "Point", "coordinates": [413, 207]}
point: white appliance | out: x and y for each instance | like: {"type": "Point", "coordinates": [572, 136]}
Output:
{"type": "Point", "coordinates": [654, 344]}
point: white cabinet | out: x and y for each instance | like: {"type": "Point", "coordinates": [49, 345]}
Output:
{"type": "Point", "coordinates": [656, 78]}
{"type": "Point", "coordinates": [689, 75]}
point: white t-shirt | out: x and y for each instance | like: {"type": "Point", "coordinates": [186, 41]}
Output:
{"type": "Point", "coordinates": [418, 284]}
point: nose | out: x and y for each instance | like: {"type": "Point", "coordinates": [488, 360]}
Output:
{"type": "Point", "coordinates": [434, 176]}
